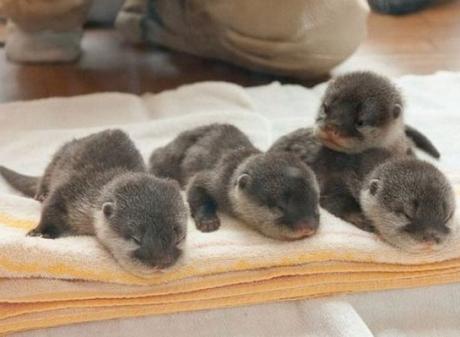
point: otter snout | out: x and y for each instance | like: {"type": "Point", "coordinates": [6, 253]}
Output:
{"type": "Point", "coordinates": [168, 260]}
{"type": "Point", "coordinates": [432, 237]}
{"type": "Point", "coordinates": [330, 130]}
{"type": "Point", "coordinates": [305, 228]}
{"type": "Point", "coordinates": [331, 136]}
{"type": "Point", "coordinates": [160, 261]}
{"type": "Point", "coordinates": [325, 130]}
{"type": "Point", "coordinates": [301, 228]}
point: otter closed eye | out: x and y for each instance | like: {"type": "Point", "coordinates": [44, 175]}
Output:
{"type": "Point", "coordinates": [136, 240]}
{"type": "Point", "coordinates": [402, 213]}
{"type": "Point", "coordinates": [359, 123]}
{"type": "Point", "coordinates": [325, 108]}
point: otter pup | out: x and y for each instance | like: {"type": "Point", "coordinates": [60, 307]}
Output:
{"type": "Point", "coordinates": [275, 193]}
{"type": "Point", "coordinates": [410, 203]}
{"type": "Point", "coordinates": [363, 110]}
{"type": "Point", "coordinates": [98, 185]}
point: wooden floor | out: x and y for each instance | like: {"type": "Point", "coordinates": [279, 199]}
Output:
{"type": "Point", "coordinates": [421, 43]}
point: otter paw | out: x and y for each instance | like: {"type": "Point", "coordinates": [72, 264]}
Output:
{"type": "Point", "coordinates": [45, 235]}
{"type": "Point", "coordinates": [35, 232]}
{"type": "Point", "coordinates": [40, 197]}
{"type": "Point", "coordinates": [361, 222]}
{"type": "Point", "coordinates": [208, 224]}
{"type": "Point", "coordinates": [49, 236]}
{"type": "Point", "coordinates": [367, 227]}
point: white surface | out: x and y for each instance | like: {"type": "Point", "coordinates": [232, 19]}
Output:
{"type": "Point", "coordinates": [427, 312]}
{"type": "Point", "coordinates": [432, 107]}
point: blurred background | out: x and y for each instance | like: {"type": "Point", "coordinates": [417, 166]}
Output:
{"type": "Point", "coordinates": [394, 37]}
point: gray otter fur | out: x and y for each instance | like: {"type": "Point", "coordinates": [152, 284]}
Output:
{"type": "Point", "coordinates": [362, 110]}
{"type": "Point", "coordinates": [27, 185]}
{"type": "Point", "coordinates": [398, 182]}
{"type": "Point", "coordinates": [276, 194]}
{"type": "Point", "coordinates": [337, 172]}
{"type": "Point", "coordinates": [98, 185]}
{"type": "Point", "coordinates": [411, 204]}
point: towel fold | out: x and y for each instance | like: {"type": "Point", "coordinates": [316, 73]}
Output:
{"type": "Point", "coordinates": [73, 279]}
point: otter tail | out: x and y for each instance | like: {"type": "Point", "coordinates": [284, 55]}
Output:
{"type": "Point", "coordinates": [422, 142]}
{"type": "Point", "coordinates": [25, 184]}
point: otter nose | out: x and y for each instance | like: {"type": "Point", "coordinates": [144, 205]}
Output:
{"type": "Point", "coordinates": [430, 242]}
{"type": "Point", "coordinates": [168, 260]}
{"type": "Point", "coordinates": [430, 239]}
{"type": "Point", "coordinates": [329, 131]}
{"type": "Point", "coordinates": [328, 128]}
{"type": "Point", "coordinates": [305, 228]}
{"type": "Point", "coordinates": [305, 232]}
{"type": "Point", "coordinates": [180, 240]}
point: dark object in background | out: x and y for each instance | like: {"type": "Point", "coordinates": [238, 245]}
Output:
{"type": "Point", "coordinates": [2, 31]}
{"type": "Point", "coordinates": [399, 7]}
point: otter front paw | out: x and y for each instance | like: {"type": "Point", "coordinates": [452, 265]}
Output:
{"type": "Point", "coordinates": [37, 232]}
{"type": "Point", "coordinates": [207, 224]}
{"type": "Point", "coordinates": [40, 197]}
{"type": "Point", "coordinates": [360, 221]}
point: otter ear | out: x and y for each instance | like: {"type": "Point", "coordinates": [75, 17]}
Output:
{"type": "Point", "coordinates": [108, 208]}
{"type": "Point", "coordinates": [243, 180]}
{"type": "Point", "coordinates": [397, 110]}
{"type": "Point", "coordinates": [374, 186]}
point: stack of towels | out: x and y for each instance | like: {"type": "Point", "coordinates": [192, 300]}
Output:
{"type": "Point", "coordinates": [73, 279]}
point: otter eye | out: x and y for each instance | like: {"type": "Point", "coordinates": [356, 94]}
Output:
{"type": "Point", "coordinates": [281, 208]}
{"type": "Point", "coordinates": [177, 230]}
{"type": "Point", "coordinates": [444, 229]}
{"type": "Point", "coordinates": [136, 240]}
{"type": "Point", "coordinates": [359, 123]}
{"type": "Point", "coordinates": [325, 108]}
{"type": "Point", "coordinates": [408, 229]}
{"type": "Point", "coordinates": [449, 217]}
{"type": "Point", "coordinates": [403, 213]}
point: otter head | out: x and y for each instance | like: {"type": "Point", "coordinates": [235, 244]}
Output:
{"type": "Point", "coordinates": [277, 194]}
{"type": "Point", "coordinates": [360, 110]}
{"type": "Point", "coordinates": [411, 205]}
{"type": "Point", "coordinates": [142, 222]}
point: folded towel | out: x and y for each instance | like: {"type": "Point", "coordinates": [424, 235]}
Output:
{"type": "Point", "coordinates": [73, 279]}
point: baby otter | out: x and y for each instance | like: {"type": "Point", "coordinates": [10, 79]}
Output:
{"type": "Point", "coordinates": [98, 185]}
{"type": "Point", "coordinates": [410, 203]}
{"type": "Point", "coordinates": [275, 193]}
{"type": "Point", "coordinates": [363, 110]}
